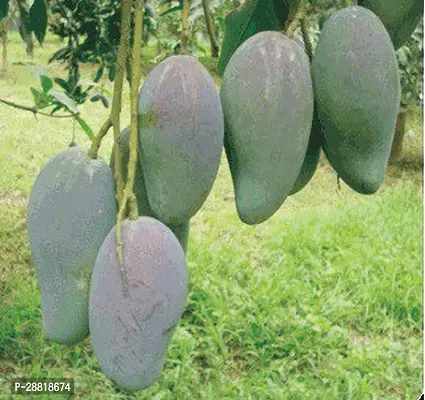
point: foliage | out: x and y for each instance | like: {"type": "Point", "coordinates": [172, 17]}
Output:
{"type": "Point", "coordinates": [255, 16]}
{"type": "Point", "coordinates": [38, 19]}
{"type": "Point", "coordinates": [91, 32]}
{"type": "Point", "coordinates": [33, 19]}
{"type": "Point", "coordinates": [4, 9]}
{"type": "Point", "coordinates": [169, 22]}
{"type": "Point", "coordinates": [410, 59]}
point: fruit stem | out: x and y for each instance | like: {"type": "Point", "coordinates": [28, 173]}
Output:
{"type": "Point", "coordinates": [306, 39]}
{"type": "Point", "coordinates": [295, 19]}
{"type": "Point", "coordinates": [116, 99]}
{"type": "Point", "coordinates": [94, 149]}
{"type": "Point", "coordinates": [185, 35]}
{"type": "Point", "coordinates": [128, 195]}
{"type": "Point", "coordinates": [115, 119]}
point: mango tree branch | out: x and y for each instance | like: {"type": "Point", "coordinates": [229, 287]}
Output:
{"type": "Point", "coordinates": [98, 139]}
{"type": "Point", "coordinates": [34, 110]}
{"type": "Point", "coordinates": [295, 18]}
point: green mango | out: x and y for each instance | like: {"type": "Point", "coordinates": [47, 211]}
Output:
{"type": "Point", "coordinates": [400, 17]}
{"type": "Point", "coordinates": [312, 157]}
{"type": "Point", "coordinates": [71, 209]}
{"type": "Point", "coordinates": [357, 92]}
{"type": "Point", "coordinates": [267, 99]}
{"type": "Point", "coordinates": [132, 322]}
{"type": "Point", "coordinates": [180, 136]}
{"type": "Point", "coordinates": [144, 209]}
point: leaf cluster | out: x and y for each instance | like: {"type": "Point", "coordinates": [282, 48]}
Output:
{"type": "Point", "coordinates": [410, 60]}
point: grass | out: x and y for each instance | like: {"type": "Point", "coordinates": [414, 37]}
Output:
{"type": "Point", "coordinates": [322, 301]}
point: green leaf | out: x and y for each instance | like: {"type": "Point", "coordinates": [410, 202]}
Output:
{"type": "Point", "coordinates": [4, 8]}
{"type": "Point", "coordinates": [85, 127]}
{"type": "Point", "coordinates": [222, 25]}
{"type": "Point", "coordinates": [56, 109]}
{"type": "Point", "coordinates": [36, 95]}
{"type": "Point", "coordinates": [61, 55]}
{"type": "Point", "coordinates": [111, 74]}
{"type": "Point", "coordinates": [24, 23]}
{"type": "Point", "coordinates": [62, 83]}
{"type": "Point", "coordinates": [62, 98]}
{"type": "Point", "coordinates": [46, 83]}
{"type": "Point", "coordinates": [255, 16]}
{"type": "Point", "coordinates": [42, 76]}
{"type": "Point", "coordinates": [100, 97]}
{"type": "Point", "coordinates": [99, 73]}
{"type": "Point", "coordinates": [38, 19]}
{"type": "Point", "coordinates": [40, 98]}
{"type": "Point", "coordinates": [171, 10]}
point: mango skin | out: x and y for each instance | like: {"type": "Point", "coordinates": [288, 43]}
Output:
{"type": "Point", "coordinates": [267, 99]}
{"type": "Point", "coordinates": [71, 209]}
{"type": "Point", "coordinates": [144, 209]}
{"type": "Point", "coordinates": [400, 18]}
{"type": "Point", "coordinates": [130, 330]}
{"type": "Point", "coordinates": [357, 93]}
{"type": "Point", "coordinates": [312, 157]}
{"type": "Point", "coordinates": [181, 137]}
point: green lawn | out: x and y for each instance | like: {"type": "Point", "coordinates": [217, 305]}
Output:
{"type": "Point", "coordinates": [322, 301]}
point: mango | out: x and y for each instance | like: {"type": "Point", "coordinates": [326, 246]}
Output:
{"type": "Point", "coordinates": [181, 137]}
{"type": "Point", "coordinates": [267, 99]}
{"type": "Point", "coordinates": [357, 93]}
{"type": "Point", "coordinates": [133, 314]}
{"type": "Point", "coordinates": [144, 209]}
{"type": "Point", "coordinates": [71, 209]}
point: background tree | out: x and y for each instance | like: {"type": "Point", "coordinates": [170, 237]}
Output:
{"type": "Point", "coordinates": [410, 60]}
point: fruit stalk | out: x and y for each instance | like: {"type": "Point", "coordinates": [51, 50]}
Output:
{"type": "Point", "coordinates": [128, 194]}
{"type": "Point", "coordinates": [210, 28]}
{"type": "Point", "coordinates": [295, 19]}
{"type": "Point", "coordinates": [98, 139]}
{"type": "Point", "coordinates": [115, 114]}
{"type": "Point", "coordinates": [306, 38]}
{"type": "Point", "coordinates": [185, 27]}
{"type": "Point", "coordinates": [118, 85]}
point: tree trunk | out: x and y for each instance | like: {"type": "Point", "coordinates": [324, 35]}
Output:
{"type": "Point", "coordinates": [185, 38]}
{"type": "Point", "coordinates": [4, 31]}
{"type": "Point", "coordinates": [400, 129]}
{"type": "Point", "coordinates": [209, 20]}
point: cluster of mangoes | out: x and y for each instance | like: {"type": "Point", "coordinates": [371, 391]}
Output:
{"type": "Point", "coordinates": [273, 115]}
{"type": "Point", "coordinates": [131, 308]}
